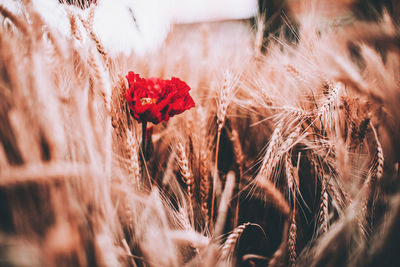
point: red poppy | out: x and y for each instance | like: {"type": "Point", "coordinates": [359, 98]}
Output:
{"type": "Point", "coordinates": [157, 100]}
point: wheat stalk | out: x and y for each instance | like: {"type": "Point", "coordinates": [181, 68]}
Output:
{"type": "Point", "coordinates": [224, 203]}
{"type": "Point", "coordinates": [225, 97]}
{"type": "Point", "coordinates": [239, 157]}
{"type": "Point", "coordinates": [278, 254]}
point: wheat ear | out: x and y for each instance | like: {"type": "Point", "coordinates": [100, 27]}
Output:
{"type": "Point", "coordinates": [259, 37]}
{"type": "Point", "coordinates": [74, 26]}
{"type": "Point", "coordinates": [289, 173]}
{"type": "Point", "coordinates": [184, 169]}
{"type": "Point", "coordinates": [269, 158]}
{"type": "Point", "coordinates": [323, 215]}
{"type": "Point", "coordinates": [232, 239]}
{"type": "Point", "coordinates": [132, 149]}
{"type": "Point", "coordinates": [292, 239]}
{"type": "Point", "coordinates": [295, 73]}
{"type": "Point", "coordinates": [286, 146]}
{"type": "Point", "coordinates": [379, 155]}
{"type": "Point", "coordinates": [14, 19]}
{"type": "Point", "coordinates": [363, 128]}
{"type": "Point", "coordinates": [333, 94]}
{"type": "Point", "coordinates": [204, 184]}
{"type": "Point", "coordinates": [88, 24]}
{"type": "Point", "coordinates": [335, 195]}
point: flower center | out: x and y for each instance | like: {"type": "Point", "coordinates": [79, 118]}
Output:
{"type": "Point", "coordinates": [147, 101]}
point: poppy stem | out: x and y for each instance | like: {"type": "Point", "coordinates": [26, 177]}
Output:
{"type": "Point", "coordinates": [144, 139]}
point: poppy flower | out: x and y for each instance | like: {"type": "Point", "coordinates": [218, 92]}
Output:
{"type": "Point", "coordinates": [156, 100]}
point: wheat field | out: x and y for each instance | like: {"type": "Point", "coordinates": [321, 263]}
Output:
{"type": "Point", "coordinates": [290, 157]}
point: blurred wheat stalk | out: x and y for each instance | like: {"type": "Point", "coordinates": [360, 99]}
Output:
{"type": "Point", "coordinates": [300, 144]}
